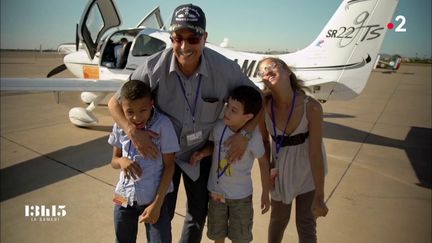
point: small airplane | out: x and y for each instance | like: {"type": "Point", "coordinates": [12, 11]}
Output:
{"type": "Point", "coordinates": [389, 62]}
{"type": "Point", "coordinates": [336, 65]}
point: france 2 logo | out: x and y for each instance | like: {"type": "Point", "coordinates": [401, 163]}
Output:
{"type": "Point", "coordinates": [401, 26]}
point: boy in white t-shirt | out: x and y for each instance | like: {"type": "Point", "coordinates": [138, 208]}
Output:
{"type": "Point", "coordinates": [230, 211]}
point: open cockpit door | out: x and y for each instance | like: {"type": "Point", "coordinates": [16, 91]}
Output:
{"type": "Point", "coordinates": [153, 20]}
{"type": "Point", "coordinates": [98, 17]}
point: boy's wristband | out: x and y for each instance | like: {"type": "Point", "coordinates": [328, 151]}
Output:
{"type": "Point", "coordinates": [246, 134]}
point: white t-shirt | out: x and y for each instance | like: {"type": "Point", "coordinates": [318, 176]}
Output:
{"type": "Point", "coordinates": [117, 53]}
{"type": "Point", "coordinates": [235, 182]}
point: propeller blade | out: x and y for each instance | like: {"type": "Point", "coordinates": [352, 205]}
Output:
{"type": "Point", "coordinates": [56, 70]}
{"type": "Point", "coordinates": [76, 38]}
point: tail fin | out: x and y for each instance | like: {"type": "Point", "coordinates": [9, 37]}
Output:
{"type": "Point", "coordinates": [344, 53]}
{"type": "Point", "coordinates": [395, 62]}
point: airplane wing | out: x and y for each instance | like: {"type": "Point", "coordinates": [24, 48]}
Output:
{"type": "Point", "coordinates": [59, 84]}
{"type": "Point", "coordinates": [67, 48]}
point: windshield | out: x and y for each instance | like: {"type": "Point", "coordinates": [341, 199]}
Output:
{"type": "Point", "coordinates": [146, 45]}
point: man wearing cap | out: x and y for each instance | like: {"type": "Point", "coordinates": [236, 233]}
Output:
{"type": "Point", "coordinates": [191, 84]}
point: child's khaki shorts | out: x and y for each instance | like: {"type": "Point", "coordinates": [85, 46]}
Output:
{"type": "Point", "coordinates": [232, 219]}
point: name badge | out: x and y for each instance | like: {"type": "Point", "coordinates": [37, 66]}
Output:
{"type": "Point", "coordinates": [120, 200]}
{"type": "Point", "coordinates": [194, 138]}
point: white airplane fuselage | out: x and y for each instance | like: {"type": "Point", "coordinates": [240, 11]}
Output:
{"type": "Point", "coordinates": [336, 65]}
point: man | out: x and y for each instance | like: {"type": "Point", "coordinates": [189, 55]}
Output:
{"type": "Point", "coordinates": [191, 84]}
{"type": "Point", "coordinates": [119, 51]}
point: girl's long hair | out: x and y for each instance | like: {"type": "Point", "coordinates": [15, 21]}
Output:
{"type": "Point", "coordinates": [296, 84]}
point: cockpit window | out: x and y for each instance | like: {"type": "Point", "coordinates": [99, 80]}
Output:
{"type": "Point", "coordinates": [146, 45]}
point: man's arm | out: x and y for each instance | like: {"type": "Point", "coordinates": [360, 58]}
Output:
{"type": "Point", "coordinates": [117, 113]}
{"type": "Point", "coordinates": [253, 123]}
{"type": "Point", "coordinates": [140, 138]}
{"type": "Point", "coordinates": [238, 142]}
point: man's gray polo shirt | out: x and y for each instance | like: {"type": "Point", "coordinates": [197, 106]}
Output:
{"type": "Point", "coordinates": [218, 75]}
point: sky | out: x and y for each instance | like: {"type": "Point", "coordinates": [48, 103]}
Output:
{"type": "Point", "coordinates": [253, 25]}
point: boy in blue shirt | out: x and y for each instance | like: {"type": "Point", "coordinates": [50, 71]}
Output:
{"type": "Point", "coordinates": [140, 192]}
{"type": "Point", "coordinates": [230, 211]}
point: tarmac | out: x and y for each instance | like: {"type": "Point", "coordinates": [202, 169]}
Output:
{"type": "Point", "coordinates": [378, 186]}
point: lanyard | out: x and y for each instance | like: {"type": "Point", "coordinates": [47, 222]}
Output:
{"type": "Point", "coordinates": [196, 96]}
{"type": "Point", "coordinates": [130, 142]}
{"type": "Point", "coordinates": [280, 142]}
{"type": "Point", "coordinates": [125, 178]}
{"type": "Point", "coordinates": [220, 173]}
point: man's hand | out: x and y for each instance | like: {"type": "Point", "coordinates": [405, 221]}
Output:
{"type": "Point", "coordinates": [237, 145]}
{"type": "Point", "coordinates": [131, 168]}
{"type": "Point", "coordinates": [142, 140]}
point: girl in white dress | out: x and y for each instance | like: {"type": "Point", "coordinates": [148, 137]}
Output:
{"type": "Point", "coordinates": [293, 125]}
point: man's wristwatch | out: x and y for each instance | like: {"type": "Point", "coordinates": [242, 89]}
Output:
{"type": "Point", "coordinates": [246, 134]}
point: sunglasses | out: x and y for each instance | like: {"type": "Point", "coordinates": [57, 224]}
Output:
{"type": "Point", "coordinates": [191, 40]}
{"type": "Point", "coordinates": [270, 67]}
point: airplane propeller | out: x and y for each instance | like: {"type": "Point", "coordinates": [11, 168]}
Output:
{"type": "Point", "coordinates": [76, 38]}
{"type": "Point", "coordinates": [63, 67]}
{"type": "Point", "coordinates": [57, 70]}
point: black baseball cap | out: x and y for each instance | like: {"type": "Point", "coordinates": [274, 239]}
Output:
{"type": "Point", "coordinates": [188, 16]}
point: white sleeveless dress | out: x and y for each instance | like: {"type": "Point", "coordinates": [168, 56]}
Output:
{"type": "Point", "coordinates": [295, 175]}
